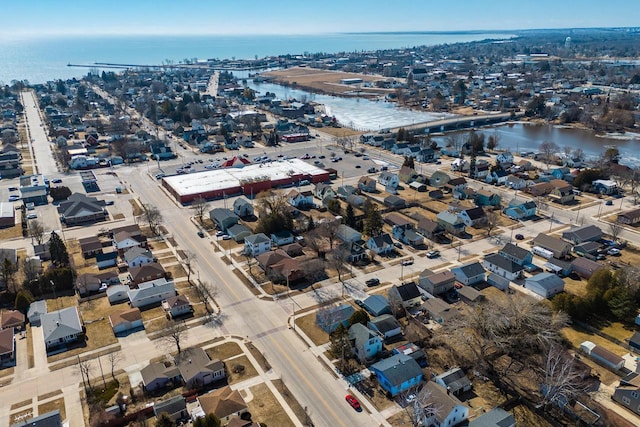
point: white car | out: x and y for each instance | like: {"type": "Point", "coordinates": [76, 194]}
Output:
{"type": "Point", "coordinates": [14, 197]}
{"type": "Point", "coordinates": [32, 216]}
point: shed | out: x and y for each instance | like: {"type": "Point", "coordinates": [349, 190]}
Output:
{"type": "Point", "coordinates": [36, 310]}
{"type": "Point", "coordinates": [603, 356]}
{"type": "Point", "coordinates": [117, 293]}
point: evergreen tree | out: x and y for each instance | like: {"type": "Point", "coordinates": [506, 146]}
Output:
{"type": "Point", "coordinates": [58, 250]}
{"type": "Point", "coordinates": [409, 161]}
{"type": "Point", "coordinates": [373, 224]}
{"type": "Point", "coordinates": [311, 224]}
{"type": "Point", "coordinates": [209, 420]}
{"type": "Point", "coordinates": [350, 218]}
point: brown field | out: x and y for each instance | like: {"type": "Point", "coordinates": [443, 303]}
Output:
{"type": "Point", "coordinates": [224, 351]}
{"type": "Point", "coordinates": [99, 334]}
{"type": "Point", "coordinates": [325, 81]}
{"type": "Point", "coordinates": [249, 370]}
{"type": "Point", "coordinates": [577, 336]}
{"type": "Point", "coordinates": [314, 332]}
{"type": "Point", "coordinates": [339, 132]}
{"type": "Point", "coordinates": [54, 404]}
{"type": "Point", "coordinates": [11, 232]}
{"type": "Point", "coordinates": [265, 408]}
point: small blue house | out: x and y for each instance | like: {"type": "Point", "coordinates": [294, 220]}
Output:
{"type": "Point", "coordinates": [377, 305]}
{"type": "Point", "coordinates": [397, 373]}
{"type": "Point", "coordinates": [520, 210]}
{"type": "Point", "coordinates": [486, 198]}
{"type": "Point", "coordinates": [329, 319]}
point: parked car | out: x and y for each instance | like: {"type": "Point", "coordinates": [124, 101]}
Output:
{"type": "Point", "coordinates": [384, 168]}
{"type": "Point", "coordinates": [201, 234]}
{"type": "Point", "coordinates": [32, 216]}
{"type": "Point", "coordinates": [159, 175]}
{"type": "Point", "coordinates": [366, 158]}
{"type": "Point", "coordinates": [372, 282]}
{"type": "Point", "coordinates": [226, 237]}
{"type": "Point", "coordinates": [109, 203]}
{"type": "Point", "coordinates": [609, 203]}
{"type": "Point", "coordinates": [14, 197]}
{"type": "Point", "coordinates": [407, 262]}
{"type": "Point", "coordinates": [219, 233]}
{"type": "Point", "coordinates": [13, 188]}
{"type": "Point", "coordinates": [372, 170]}
{"type": "Point", "coordinates": [321, 157]}
{"type": "Point", "coordinates": [56, 180]}
{"type": "Point", "coordinates": [351, 400]}
{"type": "Point", "coordinates": [358, 166]}
{"type": "Point", "coordinates": [397, 245]}
{"type": "Point", "coordinates": [519, 237]}
{"type": "Point", "coordinates": [613, 251]}
{"type": "Point", "coordinates": [305, 157]}
{"type": "Point", "coordinates": [433, 254]}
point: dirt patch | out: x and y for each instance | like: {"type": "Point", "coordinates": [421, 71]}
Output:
{"type": "Point", "coordinates": [224, 351]}
{"type": "Point", "coordinates": [11, 232]}
{"type": "Point", "coordinates": [176, 271]}
{"type": "Point", "coordinates": [239, 369]}
{"type": "Point", "coordinates": [61, 302]}
{"type": "Point", "coordinates": [575, 286]}
{"type": "Point", "coordinates": [619, 331]}
{"type": "Point", "coordinates": [246, 282]}
{"type": "Point", "coordinates": [265, 407]}
{"type": "Point", "coordinates": [293, 403]}
{"type": "Point", "coordinates": [158, 246]}
{"type": "Point", "coordinates": [135, 206]}
{"type": "Point", "coordinates": [311, 329]}
{"type": "Point", "coordinates": [54, 404]}
{"type": "Point", "coordinates": [6, 372]}
{"type": "Point", "coordinates": [21, 404]}
{"type": "Point", "coordinates": [118, 216]}
{"type": "Point", "coordinates": [259, 357]}
{"type": "Point", "coordinates": [48, 395]}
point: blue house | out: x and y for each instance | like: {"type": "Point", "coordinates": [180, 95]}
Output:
{"type": "Point", "coordinates": [486, 198]}
{"type": "Point", "coordinates": [397, 373]}
{"type": "Point", "coordinates": [520, 210]}
{"type": "Point", "coordinates": [377, 305]}
{"type": "Point", "coordinates": [332, 317]}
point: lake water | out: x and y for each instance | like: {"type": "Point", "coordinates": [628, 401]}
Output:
{"type": "Point", "coordinates": [38, 60]}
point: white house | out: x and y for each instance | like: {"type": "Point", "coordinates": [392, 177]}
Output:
{"type": "Point", "coordinates": [380, 244]}
{"type": "Point", "coordinates": [366, 343]}
{"type": "Point", "coordinates": [473, 217]}
{"type": "Point", "coordinates": [257, 244]}
{"type": "Point", "coordinates": [450, 411]}
{"type": "Point", "coordinates": [151, 292]}
{"type": "Point", "coordinates": [300, 199]}
{"type": "Point", "coordinates": [502, 266]}
{"type": "Point", "coordinates": [117, 293]}
{"type": "Point", "coordinates": [126, 321]}
{"type": "Point", "coordinates": [389, 180]}
{"type": "Point", "coordinates": [61, 327]}
{"type": "Point", "coordinates": [242, 207]}
{"type": "Point", "coordinates": [137, 256]}
{"type": "Point", "coordinates": [505, 159]}
{"type": "Point", "coordinates": [176, 305]}
{"type": "Point", "coordinates": [545, 284]}
{"type": "Point", "coordinates": [470, 274]}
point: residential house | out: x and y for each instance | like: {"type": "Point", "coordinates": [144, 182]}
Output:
{"type": "Point", "coordinates": [470, 274]}
{"type": "Point", "coordinates": [436, 194]}
{"type": "Point", "coordinates": [438, 310]}
{"type": "Point", "coordinates": [505, 159]}
{"type": "Point", "coordinates": [586, 233]}
{"type": "Point", "coordinates": [157, 376]}
{"type": "Point", "coordinates": [627, 393]}
{"type": "Point", "coordinates": [408, 294]}
{"type": "Point", "coordinates": [242, 208]}
{"type": "Point", "coordinates": [11, 319]}
{"type": "Point", "coordinates": [519, 210]}
{"type": "Point", "coordinates": [397, 373]}
{"type": "Point", "coordinates": [175, 407]}
{"type": "Point", "coordinates": [408, 236]}
{"type": "Point", "coordinates": [161, 151]}
{"type": "Point", "coordinates": [459, 165]}
{"type": "Point", "coordinates": [348, 234]}
{"type": "Point", "coordinates": [407, 174]}
{"type": "Point", "coordinates": [515, 182]}
{"type": "Point", "coordinates": [281, 238]}
{"type": "Point", "coordinates": [585, 267]}
{"type": "Point", "coordinates": [87, 283]}
{"type": "Point", "coordinates": [439, 179]}
{"type": "Point", "coordinates": [544, 284]}
{"type": "Point", "coordinates": [146, 272]}
{"type": "Point", "coordinates": [503, 267]}
{"type": "Point", "coordinates": [7, 215]}
{"type": "Point", "coordinates": [124, 240]}
{"type": "Point", "coordinates": [473, 217]}
{"type": "Point", "coordinates": [413, 351]}
{"type": "Point", "coordinates": [151, 292]}
{"type": "Point", "coordinates": [300, 199]}
{"type": "Point", "coordinates": [451, 412]}
{"type": "Point", "coordinates": [106, 260]}
{"type": "Point", "coordinates": [176, 305]}
{"type": "Point", "coordinates": [427, 155]}
{"type": "Point", "coordinates": [470, 295]}
{"type": "Point", "coordinates": [35, 312]}
{"type": "Point", "coordinates": [418, 186]}
{"type": "Point", "coordinates": [634, 341]}
{"type": "Point", "coordinates": [455, 381]}
{"type": "Point", "coordinates": [366, 343]}
{"type": "Point", "coordinates": [389, 180]}
{"type": "Point", "coordinates": [49, 419]}
{"type": "Point", "coordinates": [125, 321]}
{"type": "Point", "coordinates": [558, 247]}
{"type": "Point", "coordinates": [587, 249]}
{"type": "Point", "coordinates": [90, 246]}
{"type": "Point", "coordinates": [497, 176]}
{"type": "Point", "coordinates": [197, 370]}
{"type": "Point", "coordinates": [436, 283]}
{"type": "Point", "coordinates": [344, 191]}
{"type": "Point", "coordinates": [559, 267]}
{"type": "Point", "coordinates": [451, 223]}
{"type": "Point", "coordinates": [630, 217]}
{"type": "Point", "coordinates": [7, 347]}
{"type": "Point", "coordinates": [117, 293]}
{"type": "Point", "coordinates": [330, 318]}
{"type": "Point", "coordinates": [394, 202]}
{"type": "Point", "coordinates": [225, 403]}
{"type": "Point", "coordinates": [239, 232]}
{"type": "Point", "coordinates": [605, 186]}
{"type": "Point", "coordinates": [381, 244]}
{"type": "Point", "coordinates": [323, 191]}
{"type": "Point", "coordinates": [257, 244]}
{"type": "Point", "coordinates": [386, 325]}
{"type": "Point", "coordinates": [603, 356]}
{"type": "Point", "coordinates": [517, 254]}
{"type": "Point", "coordinates": [223, 218]}
{"type": "Point", "coordinates": [481, 171]}
{"type": "Point", "coordinates": [540, 189]}
{"type": "Point", "coordinates": [562, 192]}
{"type": "Point", "coordinates": [376, 305]}
{"type": "Point", "coordinates": [456, 185]}
{"type": "Point", "coordinates": [367, 184]}
{"type": "Point", "coordinates": [497, 417]}
{"type": "Point", "coordinates": [137, 256]}
{"type": "Point", "coordinates": [61, 327]}
{"type": "Point", "coordinates": [430, 229]}
{"type": "Point", "coordinates": [81, 209]}
{"type": "Point", "coordinates": [486, 198]}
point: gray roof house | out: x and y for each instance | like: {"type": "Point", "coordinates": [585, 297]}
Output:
{"type": "Point", "coordinates": [242, 207]}
{"type": "Point", "coordinates": [137, 256]}
{"type": "Point", "coordinates": [330, 318]}
{"type": "Point", "coordinates": [238, 232]}
{"type": "Point", "coordinates": [257, 244]}
{"type": "Point", "coordinates": [454, 381]}
{"type": "Point", "coordinates": [61, 327]}
{"type": "Point", "coordinates": [451, 222]}
{"type": "Point", "coordinates": [386, 325]}
{"type": "Point", "coordinates": [545, 284]}
{"type": "Point", "coordinates": [151, 292]}
{"type": "Point", "coordinates": [559, 247]}
{"type": "Point", "coordinates": [436, 283]}
{"type": "Point", "coordinates": [50, 419]}
{"type": "Point", "coordinates": [81, 209]}
{"type": "Point", "coordinates": [348, 234]}
{"type": "Point", "coordinates": [627, 393]}
{"type": "Point", "coordinates": [502, 266]}
{"type": "Point", "coordinates": [517, 254]}
{"type": "Point", "coordinates": [587, 233]}
{"type": "Point", "coordinates": [117, 293]}
{"type": "Point", "coordinates": [397, 373]}
{"type": "Point", "coordinates": [367, 184]}
{"type": "Point", "coordinates": [376, 305]}
{"type": "Point", "coordinates": [497, 417]}
{"type": "Point", "coordinates": [408, 293]}
{"type": "Point", "coordinates": [381, 244]}
{"type": "Point", "coordinates": [175, 406]}
{"type": "Point", "coordinates": [197, 369]}
{"type": "Point", "coordinates": [470, 274]}
{"type": "Point", "coordinates": [156, 376]}
{"type": "Point", "coordinates": [223, 218]}
{"type": "Point", "coordinates": [451, 412]}
{"type": "Point", "coordinates": [366, 343]}
{"type": "Point", "coordinates": [35, 312]}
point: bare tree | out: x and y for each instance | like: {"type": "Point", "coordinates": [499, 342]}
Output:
{"type": "Point", "coordinates": [85, 367]}
{"type": "Point", "coordinates": [492, 220]}
{"type": "Point", "coordinates": [153, 217]}
{"type": "Point", "coordinates": [175, 334]}
{"type": "Point", "coordinates": [420, 404]}
{"type": "Point", "coordinates": [31, 269]}
{"type": "Point", "coordinates": [456, 141]}
{"type": "Point", "coordinates": [315, 241]}
{"type": "Point", "coordinates": [561, 380]}
{"type": "Point", "coordinates": [199, 207]}
{"type": "Point", "coordinates": [207, 293]}
{"type": "Point", "coordinates": [313, 269]}
{"type": "Point", "coordinates": [329, 230]}
{"type": "Point", "coordinates": [114, 359]}
{"type": "Point", "coordinates": [548, 150]}
{"type": "Point", "coordinates": [187, 259]}
{"type": "Point", "coordinates": [614, 229]}
{"type": "Point", "coordinates": [338, 260]}
{"type": "Point", "coordinates": [36, 231]}
{"type": "Point", "coordinates": [395, 302]}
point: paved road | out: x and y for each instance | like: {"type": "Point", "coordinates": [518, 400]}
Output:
{"type": "Point", "coordinates": [37, 132]}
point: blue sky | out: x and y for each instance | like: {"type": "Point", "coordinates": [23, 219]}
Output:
{"type": "Point", "coordinates": [44, 17]}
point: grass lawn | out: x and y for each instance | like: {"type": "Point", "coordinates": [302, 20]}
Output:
{"type": "Point", "coordinates": [176, 271]}
{"type": "Point", "coordinates": [575, 287]}
{"type": "Point", "coordinates": [99, 334]}
{"type": "Point", "coordinates": [11, 232]}
{"type": "Point", "coordinates": [99, 307]}
{"type": "Point", "coordinates": [314, 332]}
{"type": "Point", "coordinates": [577, 336]}
{"type": "Point", "coordinates": [137, 209]}
{"type": "Point", "coordinates": [61, 302]}
{"type": "Point", "coordinates": [224, 351]}
{"type": "Point", "coordinates": [265, 407]}
{"type": "Point", "coordinates": [619, 330]}
{"type": "Point", "coordinates": [158, 246]}
{"type": "Point", "coordinates": [54, 404]}
{"type": "Point", "coordinates": [249, 370]}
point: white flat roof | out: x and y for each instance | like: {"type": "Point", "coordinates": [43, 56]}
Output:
{"type": "Point", "coordinates": [6, 210]}
{"type": "Point", "coordinates": [219, 179]}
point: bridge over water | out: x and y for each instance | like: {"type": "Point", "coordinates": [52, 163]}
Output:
{"type": "Point", "coordinates": [459, 122]}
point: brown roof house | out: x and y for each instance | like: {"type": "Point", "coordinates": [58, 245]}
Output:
{"type": "Point", "coordinates": [146, 272]}
{"type": "Point", "coordinates": [436, 283]}
{"type": "Point", "coordinates": [197, 369]}
{"type": "Point", "coordinates": [224, 403]}
{"type": "Point", "coordinates": [7, 346]}
{"type": "Point", "coordinates": [11, 319]}
{"type": "Point", "coordinates": [585, 267]}
{"type": "Point", "coordinates": [559, 247]}
{"type": "Point", "coordinates": [176, 305]}
{"type": "Point", "coordinates": [90, 246]}
{"type": "Point", "coordinates": [125, 321]}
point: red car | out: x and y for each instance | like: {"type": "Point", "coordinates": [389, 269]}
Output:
{"type": "Point", "coordinates": [353, 402]}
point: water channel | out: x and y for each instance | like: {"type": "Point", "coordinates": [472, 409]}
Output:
{"type": "Point", "coordinates": [365, 114]}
